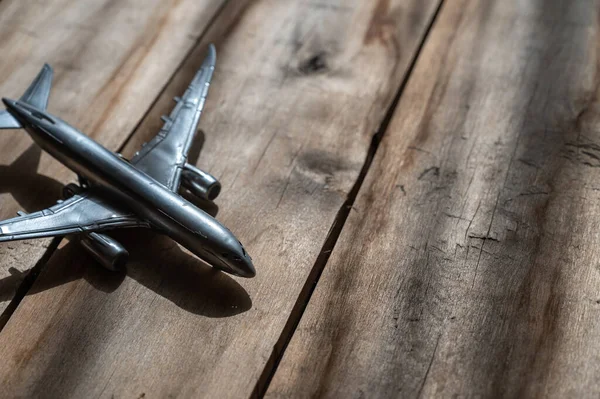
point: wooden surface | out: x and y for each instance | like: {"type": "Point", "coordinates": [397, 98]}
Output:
{"type": "Point", "coordinates": [417, 186]}
{"type": "Point", "coordinates": [468, 266]}
{"type": "Point", "coordinates": [299, 91]}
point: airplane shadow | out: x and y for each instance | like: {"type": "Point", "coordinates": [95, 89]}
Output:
{"type": "Point", "coordinates": [155, 260]}
{"type": "Point", "coordinates": [21, 180]}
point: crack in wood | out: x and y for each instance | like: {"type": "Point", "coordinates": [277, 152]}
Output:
{"type": "Point", "coordinates": [313, 278]}
{"type": "Point", "coordinates": [28, 281]}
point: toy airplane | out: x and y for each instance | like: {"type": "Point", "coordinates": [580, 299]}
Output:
{"type": "Point", "coordinates": [116, 193]}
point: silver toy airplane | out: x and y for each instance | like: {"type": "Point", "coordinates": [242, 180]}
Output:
{"type": "Point", "coordinates": [115, 193]}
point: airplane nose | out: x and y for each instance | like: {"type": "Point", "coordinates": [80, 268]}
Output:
{"type": "Point", "coordinates": [247, 270]}
{"type": "Point", "coordinates": [220, 248]}
{"type": "Point", "coordinates": [241, 262]}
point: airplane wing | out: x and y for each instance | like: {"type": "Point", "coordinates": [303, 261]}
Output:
{"type": "Point", "coordinates": [165, 155]}
{"type": "Point", "coordinates": [85, 212]}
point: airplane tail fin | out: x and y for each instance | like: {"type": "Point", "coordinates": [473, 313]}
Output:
{"type": "Point", "coordinates": [36, 95]}
{"type": "Point", "coordinates": [38, 92]}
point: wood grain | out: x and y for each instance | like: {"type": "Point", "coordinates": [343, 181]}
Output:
{"type": "Point", "coordinates": [469, 264]}
{"type": "Point", "coordinates": [300, 88]}
{"type": "Point", "coordinates": [111, 60]}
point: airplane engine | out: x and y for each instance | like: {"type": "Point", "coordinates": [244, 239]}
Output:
{"type": "Point", "coordinates": [200, 183]}
{"type": "Point", "coordinates": [106, 250]}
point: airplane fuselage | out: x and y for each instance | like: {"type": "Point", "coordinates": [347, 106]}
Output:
{"type": "Point", "coordinates": [152, 202]}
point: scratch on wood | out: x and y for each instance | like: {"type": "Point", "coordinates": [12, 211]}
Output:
{"type": "Point", "coordinates": [420, 393]}
{"type": "Point", "coordinates": [434, 170]}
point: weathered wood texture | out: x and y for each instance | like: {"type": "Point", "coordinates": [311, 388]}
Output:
{"type": "Point", "coordinates": [300, 88]}
{"type": "Point", "coordinates": [469, 264]}
{"type": "Point", "coordinates": [111, 60]}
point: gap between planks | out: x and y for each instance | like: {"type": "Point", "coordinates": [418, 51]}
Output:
{"type": "Point", "coordinates": [312, 280]}
{"type": "Point", "coordinates": [34, 272]}
{"type": "Point", "coordinates": [28, 281]}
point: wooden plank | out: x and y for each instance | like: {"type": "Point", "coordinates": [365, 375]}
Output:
{"type": "Point", "coordinates": [468, 266]}
{"type": "Point", "coordinates": [300, 88]}
{"type": "Point", "coordinates": [111, 60]}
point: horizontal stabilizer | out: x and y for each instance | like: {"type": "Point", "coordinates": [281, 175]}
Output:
{"type": "Point", "coordinates": [7, 121]}
{"type": "Point", "coordinates": [38, 92]}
